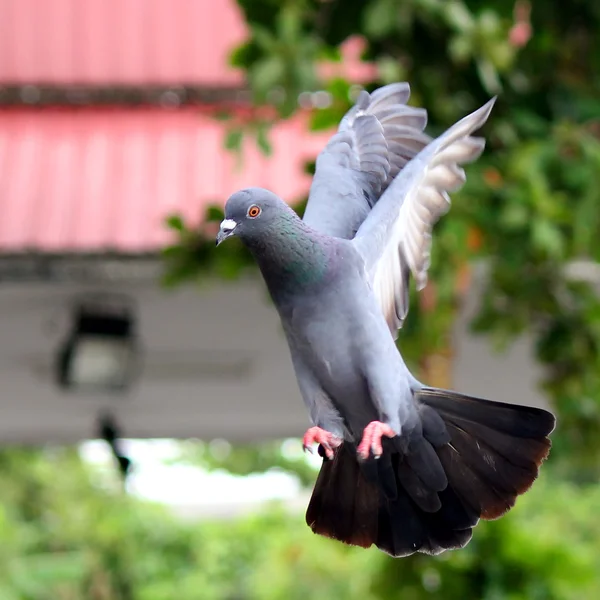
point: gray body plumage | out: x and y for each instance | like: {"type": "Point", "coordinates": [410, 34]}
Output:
{"type": "Point", "coordinates": [348, 368]}
{"type": "Point", "coordinates": [339, 278]}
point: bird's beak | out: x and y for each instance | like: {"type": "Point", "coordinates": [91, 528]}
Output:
{"type": "Point", "coordinates": [226, 230]}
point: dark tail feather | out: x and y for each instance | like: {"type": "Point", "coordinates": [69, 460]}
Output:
{"type": "Point", "coordinates": [495, 449]}
{"type": "Point", "coordinates": [345, 507]}
{"type": "Point", "coordinates": [474, 458]}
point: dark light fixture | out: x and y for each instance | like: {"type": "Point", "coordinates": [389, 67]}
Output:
{"type": "Point", "coordinates": [101, 352]}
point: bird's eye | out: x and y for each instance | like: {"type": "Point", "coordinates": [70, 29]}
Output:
{"type": "Point", "coordinates": [254, 211]}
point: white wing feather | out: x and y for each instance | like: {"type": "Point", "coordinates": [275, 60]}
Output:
{"type": "Point", "coordinates": [395, 238]}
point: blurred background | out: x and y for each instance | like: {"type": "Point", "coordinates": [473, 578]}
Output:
{"type": "Point", "coordinates": [149, 416]}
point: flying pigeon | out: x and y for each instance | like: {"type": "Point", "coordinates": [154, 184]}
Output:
{"type": "Point", "coordinates": [407, 467]}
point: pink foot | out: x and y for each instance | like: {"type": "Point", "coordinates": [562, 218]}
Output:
{"type": "Point", "coordinates": [371, 441]}
{"type": "Point", "coordinates": [320, 436]}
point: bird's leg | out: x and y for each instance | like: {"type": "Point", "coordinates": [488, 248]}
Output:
{"type": "Point", "coordinates": [320, 436]}
{"type": "Point", "coordinates": [371, 440]}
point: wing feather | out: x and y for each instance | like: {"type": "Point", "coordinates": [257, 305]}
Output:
{"type": "Point", "coordinates": [376, 138]}
{"type": "Point", "coordinates": [395, 238]}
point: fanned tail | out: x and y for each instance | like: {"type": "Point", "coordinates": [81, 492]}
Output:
{"type": "Point", "coordinates": [474, 458]}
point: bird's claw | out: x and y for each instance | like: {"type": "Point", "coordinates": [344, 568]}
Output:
{"type": "Point", "coordinates": [320, 436]}
{"type": "Point", "coordinates": [371, 440]}
{"type": "Point", "coordinates": [307, 448]}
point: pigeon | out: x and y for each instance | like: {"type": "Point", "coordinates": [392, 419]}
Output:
{"type": "Point", "coordinates": [406, 467]}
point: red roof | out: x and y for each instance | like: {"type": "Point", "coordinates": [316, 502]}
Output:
{"type": "Point", "coordinates": [132, 42]}
{"type": "Point", "coordinates": [93, 180]}
{"type": "Point", "coordinates": [104, 179]}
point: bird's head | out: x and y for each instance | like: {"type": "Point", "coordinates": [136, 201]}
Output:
{"type": "Point", "coordinates": [249, 212]}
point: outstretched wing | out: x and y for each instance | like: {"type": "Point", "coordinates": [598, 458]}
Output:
{"type": "Point", "coordinates": [376, 138]}
{"type": "Point", "coordinates": [395, 238]}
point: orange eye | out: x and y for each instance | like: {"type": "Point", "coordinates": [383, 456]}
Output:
{"type": "Point", "coordinates": [253, 211]}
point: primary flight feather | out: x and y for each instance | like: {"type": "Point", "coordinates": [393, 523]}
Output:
{"type": "Point", "coordinates": [405, 467]}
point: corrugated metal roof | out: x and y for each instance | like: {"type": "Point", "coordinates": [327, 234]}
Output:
{"type": "Point", "coordinates": [132, 42]}
{"type": "Point", "coordinates": [119, 41]}
{"type": "Point", "coordinates": [96, 180]}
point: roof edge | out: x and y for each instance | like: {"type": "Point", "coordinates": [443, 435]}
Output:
{"type": "Point", "coordinates": [96, 267]}
{"type": "Point", "coordinates": [41, 94]}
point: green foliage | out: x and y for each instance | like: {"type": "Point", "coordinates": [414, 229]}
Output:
{"type": "Point", "coordinates": [282, 54]}
{"type": "Point", "coordinates": [68, 533]}
{"type": "Point", "coordinates": [255, 128]}
{"type": "Point", "coordinates": [540, 217]}
{"type": "Point", "coordinates": [50, 548]}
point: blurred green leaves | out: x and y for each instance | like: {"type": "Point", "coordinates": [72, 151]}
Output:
{"type": "Point", "coordinates": [280, 59]}
{"type": "Point", "coordinates": [88, 541]}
